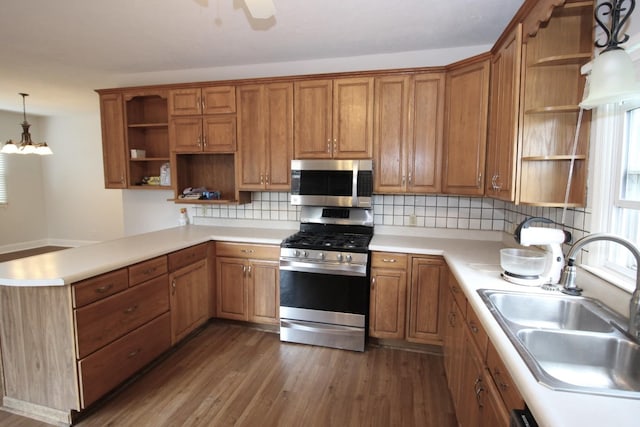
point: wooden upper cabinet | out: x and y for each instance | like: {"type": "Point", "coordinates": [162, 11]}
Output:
{"type": "Point", "coordinates": [334, 118]}
{"type": "Point", "coordinates": [503, 117]}
{"type": "Point", "coordinates": [113, 140]}
{"type": "Point", "coordinates": [465, 130]}
{"type": "Point", "coordinates": [265, 136]}
{"type": "Point", "coordinates": [408, 120]}
{"type": "Point", "coordinates": [206, 100]}
{"type": "Point", "coordinates": [213, 134]}
{"type": "Point", "coordinates": [425, 133]}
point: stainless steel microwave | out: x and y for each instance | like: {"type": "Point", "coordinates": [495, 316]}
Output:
{"type": "Point", "coordinates": [346, 183]}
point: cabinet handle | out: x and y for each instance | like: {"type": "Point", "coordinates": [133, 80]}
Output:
{"type": "Point", "coordinates": [204, 140]}
{"type": "Point", "coordinates": [261, 179]}
{"type": "Point", "coordinates": [149, 271]}
{"type": "Point", "coordinates": [249, 270]}
{"type": "Point", "coordinates": [373, 283]}
{"type": "Point", "coordinates": [497, 375]}
{"type": "Point", "coordinates": [328, 146]}
{"type": "Point", "coordinates": [479, 390]}
{"type": "Point", "coordinates": [198, 103]}
{"type": "Point", "coordinates": [198, 141]}
{"type": "Point", "coordinates": [203, 104]}
{"type": "Point", "coordinates": [389, 260]}
{"type": "Point", "coordinates": [497, 185]}
{"type": "Point", "coordinates": [403, 179]}
{"type": "Point", "coordinates": [134, 353]}
{"type": "Point", "coordinates": [410, 178]}
{"type": "Point", "coordinates": [267, 178]}
{"type": "Point", "coordinates": [247, 251]}
{"type": "Point", "coordinates": [479, 178]}
{"type": "Point", "coordinates": [130, 309]}
{"type": "Point", "coordinates": [473, 328]}
{"type": "Point", "coordinates": [103, 289]}
{"type": "Point", "coordinates": [122, 179]}
{"type": "Point", "coordinates": [452, 319]}
{"type": "Point", "coordinates": [173, 287]}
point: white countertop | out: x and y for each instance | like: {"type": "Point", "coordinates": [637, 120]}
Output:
{"type": "Point", "coordinates": [74, 264]}
{"type": "Point", "coordinates": [474, 260]}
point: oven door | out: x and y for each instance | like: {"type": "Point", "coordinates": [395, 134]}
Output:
{"type": "Point", "coordinates": [324, 309]}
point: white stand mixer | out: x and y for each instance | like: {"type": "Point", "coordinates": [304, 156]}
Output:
{"type": "Point", "coordinates": [552, 240]}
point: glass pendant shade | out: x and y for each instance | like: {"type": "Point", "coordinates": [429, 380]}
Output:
{"type": "Point", "coordinates": [9, 148]}
{"type": "Point", "coordinates": [612, 80]}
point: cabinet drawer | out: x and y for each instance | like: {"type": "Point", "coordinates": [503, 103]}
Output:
{"type": "Point", "coordinates": [99, 287]}
{"type": "Point", "coordinates": [187, 256]}
{"type": "Point", "coordinates": [389, 260]}
{"type": "Point", "coordinates": [103, 321]}
{"type": "Point", "coordinates": [147, 270]}
{"type": "Point", "coordinates": [458, 294]}
{"type": "Point", "coordinates": [106, 368]}
{"type": "Point", "coordinates": [506, 387]}
{"type": "Point", "coordinates": [478, 333]}
{"type": "Point", "coordinates": [247, 250]}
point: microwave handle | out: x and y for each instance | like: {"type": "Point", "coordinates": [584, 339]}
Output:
{"type": "Point", "coordinates": [354, 184]}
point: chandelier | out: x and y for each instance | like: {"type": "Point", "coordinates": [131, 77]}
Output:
{"type": "Point", "coordinates": [26, 146]}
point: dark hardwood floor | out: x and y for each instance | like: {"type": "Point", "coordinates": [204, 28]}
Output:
{"type": "Point", "coordinates": [231, 375]}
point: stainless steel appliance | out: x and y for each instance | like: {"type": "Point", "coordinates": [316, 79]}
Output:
{"type": "Point", "coordinates": [324, 278]}
{"type": "Point", "coordinates": [347, 183]}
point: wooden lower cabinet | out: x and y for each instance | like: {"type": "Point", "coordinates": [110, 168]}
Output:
{"type": "Point", "coordinates": [388, 295]}
{"type": "Point", "coordinates": [189, 299]}
{"type": "Point", "coordinates": [404, 297]}
{"type": "Point", "coordinates": [248, 282]}
{"type": "Point", "coordinates": [103, 370]}
{"type": "Point", "coordinates": [468, 358]}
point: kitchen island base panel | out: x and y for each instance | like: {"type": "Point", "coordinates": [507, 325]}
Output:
{"type": "Point", "coordinates": [38, 346]}
{"type": "Point", "coordinates": [36, 412]}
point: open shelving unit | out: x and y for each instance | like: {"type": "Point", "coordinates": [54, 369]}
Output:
{"type": "Point", "coordinates": [147, 128]}
{"type": "Point", "coordinates": [552, 87]}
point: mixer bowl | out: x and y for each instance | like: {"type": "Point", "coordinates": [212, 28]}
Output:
{"type": "Point", "coordinates": [522, 262]}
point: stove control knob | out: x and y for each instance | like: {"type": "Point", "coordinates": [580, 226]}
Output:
{"type": "Point", "coordinates": [305, 254]}
{"type": "Point", "coordinates": [321, 255]}
{"type": "Point", "coordinates": [339, 257]}
{"type": "Point", "coordinates": [349, 258]}
{"type": "Point", "coordinates": [296, 253]}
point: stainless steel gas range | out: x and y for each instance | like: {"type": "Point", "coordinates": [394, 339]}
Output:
{"type": "Point", "coordinates": [324, 278]}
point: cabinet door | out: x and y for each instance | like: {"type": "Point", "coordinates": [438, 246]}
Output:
{"type": "Point", "coordinates": [218, 100]}
{"type": "Point", "coordinates": [426, 127]}
{"type": "Point", "coordinates": [353, 118]}
{"type": "Point", "coordinates": [387, 303]}
{"type": "Point", "coordinates": [186, 134]}
{"type": "Point", "coordinates": [312, 119]}
{"type": "Point", "coordinates": [503, 117]}
{"type": "Point", "coordinates": [391, 133]}
{"type": "Point", "coordinates": [113, 142]}
{"type": "Point", "coordinates": [189, 299]}
{"type": "Point", "coordinates": [427, 278]}
{"type": "Point", "coordinates": [219, 134]}
{"type": "Point", "coordinates": [231, 289]}
{"type": "Point", "coordinates": [251, 137]}
{"type": "Point", "coordinates": [185, 102]}
{"type": "Point", "coordinates": [264, 292]}
{"type": "Point", "coordinates": [465, 133]}
{"type": "Point", "coordinates": [279, 138]}
{"type": "Point", "coordinates": [472, 385]}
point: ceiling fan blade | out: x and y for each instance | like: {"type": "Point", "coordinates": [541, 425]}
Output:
{"type": "Point", "coordinates": [261, 9]}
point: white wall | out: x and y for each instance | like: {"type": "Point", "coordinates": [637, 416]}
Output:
{"type": "Point", "coordinates": [79, 208]}
{"type": "Point", "coordinates": [24, 218]}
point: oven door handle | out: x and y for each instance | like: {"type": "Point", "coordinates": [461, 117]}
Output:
{"type": "Point", "coordinates": [309, 267]}
{"type": "Point", "coordinates": [319, 327]}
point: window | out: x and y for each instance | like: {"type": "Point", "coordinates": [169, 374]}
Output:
{"type": "Point", "coordinates": [3, 180]}
{"type": "Point", "coordinates": [616, 200]}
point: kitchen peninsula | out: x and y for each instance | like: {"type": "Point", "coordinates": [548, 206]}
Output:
{"type": "Point", "coordinates": [51, 361]}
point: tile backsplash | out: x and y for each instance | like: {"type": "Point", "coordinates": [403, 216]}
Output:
{"type": "Point", "coordinates": [429, 211]}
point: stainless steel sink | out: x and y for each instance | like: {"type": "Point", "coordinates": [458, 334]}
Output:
{"type": "Point", "coordinates": [550, 312]}
{"type": "Point", "coordinates": [569, 343]}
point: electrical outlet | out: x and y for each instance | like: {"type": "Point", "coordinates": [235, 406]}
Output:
{"type": "Point", "coordinates": [413, 220]}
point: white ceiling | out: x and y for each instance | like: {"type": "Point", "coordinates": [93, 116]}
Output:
{"type": "Point", "coordinates": [59, 51]}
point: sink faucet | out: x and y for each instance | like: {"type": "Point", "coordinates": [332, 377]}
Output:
{"type": "Point", "coordinates": [568, 279]}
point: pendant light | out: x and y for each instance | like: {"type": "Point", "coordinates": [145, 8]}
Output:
{"type": "Point", "coordinates": [26, 146]}
{"type": "Point", "coordinates": [612, 79]}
